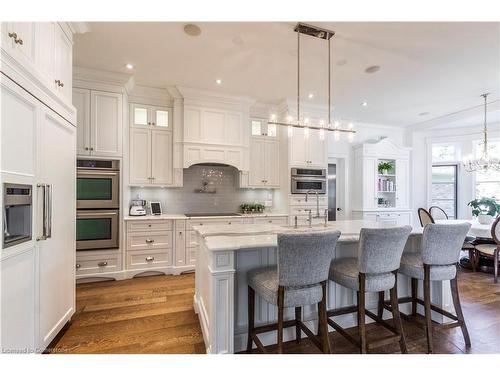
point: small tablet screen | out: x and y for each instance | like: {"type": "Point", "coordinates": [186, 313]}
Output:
{"type": "Point", "coordinates": [156, 208]}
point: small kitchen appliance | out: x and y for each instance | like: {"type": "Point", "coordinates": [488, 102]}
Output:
{"type": "Point", "coordinates": [138, 207]}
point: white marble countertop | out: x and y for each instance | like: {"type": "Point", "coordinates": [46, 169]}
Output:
{"type": "Point", "coordinates": [184, 217]}
{"type": "Point", "coordinates": [248, 236]}
{"type": "Point", "coordinates": [477, 229]}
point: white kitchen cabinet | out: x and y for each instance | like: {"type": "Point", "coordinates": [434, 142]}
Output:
{"type": "Point", "coordinates": [260, 128]}
{"type": "Point", "coordinates": [18, 39]}
{"type": "Point", "coordinates": [17, 295]}
{"type": "Point", "coordinates": [99, 122]}
{"type": "Point", "coordinates": [150, 116]}
{"type": "Point", "coordinates": [56, 253]}
{"type": "Point", "coordinates": [402, 183]}
{"type": "Point", "coordinates": [45, 51]}
{"type": "Point", "coordinates": [388, 217]}
{"type": "Point", "coordinates": [307, 149]}
{"type": "Point", "coordinates": [151, 156]}
{"type": "Point", "coordinates": [264, 164]}
{"type": "Point", "coordinates": [369, 182]}
{"type": "Point", "coordinates": [63, 79]}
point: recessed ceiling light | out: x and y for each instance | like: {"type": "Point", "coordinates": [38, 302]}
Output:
{"type": "Point", "coordinates": [372, 69]}
{"type": "Point", "coordinates": [129, 66]}
{"type": "Point", "coordinates": [192, 29]}
{"type": "Point", "coordinates": [424, 113]}
{"type": "Point", "coordinates": [310, 96]}
{"type": "Point", "coordinates": [218, 81]}
{"type": "Point", "coordinates": [364, 104]}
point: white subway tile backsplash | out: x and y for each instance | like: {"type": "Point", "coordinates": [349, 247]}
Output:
{"type": "Point", "coordinates": [222, 179]}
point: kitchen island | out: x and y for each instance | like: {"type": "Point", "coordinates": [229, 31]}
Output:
{"type": "Point", "coordinates": [226, 254]}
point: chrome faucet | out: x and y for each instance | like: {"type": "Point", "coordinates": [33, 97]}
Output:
{"type": "Point", "coordinates": [310, 220]}
{"type": "Point", "coordinates": [317, 202]}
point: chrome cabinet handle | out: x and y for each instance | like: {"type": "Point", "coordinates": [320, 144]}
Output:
{"type": "Point", "coordinates": [78, 265]}
{"type": "Point", "coordinates": [91, 149]}
{"type": "Point", "coordinates": [86, 148]}
{"type": "Point", "coordinates": [148, 240]}
{"type": "Point", "coordinates": [149, 123]}
{"type": "Point", "coordinates": [150, 259]}
{"type": "Point", "coordinates": [49, 213]}
{"type": "Point", "coordinates": [102, 264]}
{"type": "Point", "coordinates": [43, 237]}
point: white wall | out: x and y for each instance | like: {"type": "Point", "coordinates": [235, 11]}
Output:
{"type": "Point", "coordinates": [343, 149]}
{"type": "Point", "coordinates": [421, 143]}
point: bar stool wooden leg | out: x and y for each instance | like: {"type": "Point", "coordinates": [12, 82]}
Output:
{"type": "Point", "coordinates": [298, 318]}
{"type": "Point", "coordinates": [414, 296]}
{"type": "Point", "coordinates": [322, 322]}
{"type": "Point", "coordinates": [458, 310]}
{"type": "Point", "coordinates": [396, 317]}
{"type": "Point", "coordinates": [281, 302]}
{"type": "Point", "coordinates": [495, 265]}
{"type": "Point", "coordinates": [380, 308]}
{"type": "Point", "coordinates": [362, 316]}
{"type": "Point", "coordinates": [427, 307]}
{"type": "Point", "coordinates": [251, 315]}
{"type": "Point", "coordinates": [472, 259]}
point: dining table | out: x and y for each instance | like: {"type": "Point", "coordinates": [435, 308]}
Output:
{"type": "Point", "coordinates": [476, 230]}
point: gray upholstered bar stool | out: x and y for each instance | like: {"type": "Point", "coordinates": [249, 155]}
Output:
{"type": "Point", "coordinates": [436, 261]}
{"type": "Point", "coordinates": [299, 279]}
{"type": "Point", "coordinates": [374, 270]}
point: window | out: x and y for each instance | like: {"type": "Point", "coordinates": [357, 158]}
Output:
{"type": "Point", "coordinates": [444, 188]}
{"type": "Point", "coordinates": [444, 153]}
{"type": "Point", "coordinates": [488, 184]}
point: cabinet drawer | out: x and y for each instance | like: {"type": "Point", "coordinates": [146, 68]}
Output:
{"type": "Point", "coordinates": [303, 210]}
{"type": "Point", "coordinates": [229, 221]}
{"type": "Point", "coordinates": [271, 220]}
{"type": "Point", "coordinates": [149, 240]}
{"type": "Point", "coordinates": [191, 238]}
{"type": "Point", "coordinates": [191, 255]}
{"type": "Point", "coordinates": [97, 264]}
{"type": "Point", "coordinates": [145, 259]}
{"type": "Point", "coordinates": [300, 200]}
{"type": "Point", "coordinates": [147, 225]}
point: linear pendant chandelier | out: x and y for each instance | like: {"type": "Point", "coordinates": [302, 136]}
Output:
{"type": "Point", "coordinates": [483, 164]}
{"type": "Point", "coordinates": [324, 34]}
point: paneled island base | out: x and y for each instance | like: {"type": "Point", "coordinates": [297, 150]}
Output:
{"type": "Point", "coordinates": [224, 258]}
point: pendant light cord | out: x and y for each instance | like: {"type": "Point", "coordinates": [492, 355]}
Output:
{"type": "Point", "coordinates": [485, 128]}
{"type": "Point", "coordinates": [298, 77]}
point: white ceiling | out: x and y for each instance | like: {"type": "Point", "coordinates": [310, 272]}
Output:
{"type": "Point", "coordinates": [439, 68]}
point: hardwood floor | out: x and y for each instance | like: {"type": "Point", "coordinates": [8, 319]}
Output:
{"type": "Point", "coordinates": [155, 315]}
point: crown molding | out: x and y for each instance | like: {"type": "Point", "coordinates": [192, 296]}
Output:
{"type": "Point", "coordinates": [199, 96]}
{"type": "Point", "coordinates": [79, 27]}
{"type": "Point", "coordinates": [87, 76]}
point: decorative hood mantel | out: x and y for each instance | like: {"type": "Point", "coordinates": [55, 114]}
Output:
{"type": "Point", "coordinates": [215, 128]}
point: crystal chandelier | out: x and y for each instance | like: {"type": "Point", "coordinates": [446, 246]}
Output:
{"type": "Point", "coordinates": [484, 164]}
{"type": "Point", "coordinates": [335, 127]}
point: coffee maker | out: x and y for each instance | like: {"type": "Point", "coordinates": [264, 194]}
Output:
{"type": "Point", "coordinates": [138, 207]}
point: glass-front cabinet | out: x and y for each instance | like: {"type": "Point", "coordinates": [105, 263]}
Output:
{"type": "Point", "coordinates": [150, 116]}
{"type": "Point", "coordinates": [260, 128]}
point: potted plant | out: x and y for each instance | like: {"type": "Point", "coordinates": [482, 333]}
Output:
{"type": "Point", "coordinates": [250, 208]}
{"type": "Point", "coordinates": [384, 167]}
{"type": "Point", "coordinates": [485, 209]}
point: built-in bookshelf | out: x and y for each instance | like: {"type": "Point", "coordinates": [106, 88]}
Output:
{"type": "Point", "coordinates": [386, 183]}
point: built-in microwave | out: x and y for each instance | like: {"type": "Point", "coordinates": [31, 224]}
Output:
{"type": "Point", "coordinates": [97, 229]}
{"type": "Point", "coordinates": [97, 184]}
{"type": "Point", "coordinates": [305, 180]}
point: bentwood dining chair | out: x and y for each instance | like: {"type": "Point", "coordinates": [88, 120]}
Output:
{"type": "Point", "coordinates": [438, 213]}
{"type": "Point", "coordinates": [298, 280]}
{"type": "Point", "coordinates": [491, 251]}
{"type": "Point", "coordinates": [425, 217]}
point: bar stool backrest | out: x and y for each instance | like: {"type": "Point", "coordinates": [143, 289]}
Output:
{"type": "Point", "coordinates": [425, 217]}
{"type": "Point", "coordinates": [495, 230]}
{"type": "Point", "coordinates": [304, 258]}
{"type": "Point", "coordinates": [380, 249]}
{"type": "Point", "coordinates": [442, 243]}
{"type": "Point", "coordinates": [438, 213]}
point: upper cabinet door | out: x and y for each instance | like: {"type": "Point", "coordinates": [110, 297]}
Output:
{"type": "Point", "coordinates": [161, 157]}
{"type": "Point", "coordinates": [402, 183]}
{"type": "Point", "coordinates": [18, 38]}
{"type": "Point", "coordinates": [161, 118]}
{"type": "Point", "coordinates": [260, 128]}
{"type": "Point", "coordinates": [298, 148]}
{"type": "Point", "coordinates": [369, 183]}
{"type": "Point", "coordinates": [272, 163]}
{"type": "Point", "coordinates": [63, 63]}
{"type": "Point", "coordinates": [316, 150]}
{"type": "Point", "coordinates": [140, 156]}
{"type": "Point", "coordinates": [139, 115]}
{"type": "Point", "coordinates": [256, 173]}
{"type": "Point", "coordinates": [81, 101]}
{"type": "Point", "coordinates": [106, 123]}
{"type": "Point", "coordinates": [45, 47]}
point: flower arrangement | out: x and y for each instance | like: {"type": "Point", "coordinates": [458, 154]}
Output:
{"type": "Point", "coordinates": [485, 209]}
{"type": "Point", "coordinates": [248, 208]}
